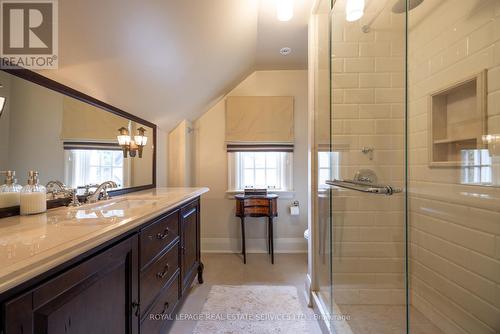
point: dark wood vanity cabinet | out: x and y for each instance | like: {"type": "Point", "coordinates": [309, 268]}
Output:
{"type": "Point", "coordinates": [96, 296]}
{"type": "Point", "coordinates": [190, 247]}
{"type": "Point", "coordinates": [131, 286]}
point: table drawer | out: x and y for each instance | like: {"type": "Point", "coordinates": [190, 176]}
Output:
{"type": "Point", "coordinates": [256, 202]}
{"type": "Point", "coordinates": [257, 210]}
{"type": "Point", "coordinates": [157, 236]}
{"type": "Point", "coordinates": [162, 310]}
{"type": "Point", "coordinates": [154, 278]}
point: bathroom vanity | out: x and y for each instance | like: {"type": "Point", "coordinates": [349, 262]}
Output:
{"type": "Point", "coordinates": [116, 266]}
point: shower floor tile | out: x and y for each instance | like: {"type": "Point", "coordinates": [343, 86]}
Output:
{"type": "Point", "coordinates": [386, 319]}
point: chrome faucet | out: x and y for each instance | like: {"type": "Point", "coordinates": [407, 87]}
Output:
{"type": "Point", "coordinates": [87, 188]}
{"type": "Point", "coordinates": [56, 188]}
{"type": "Point", "coordinates": [103, 188]}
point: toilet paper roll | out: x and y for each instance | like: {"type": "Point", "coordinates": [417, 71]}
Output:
{"type": "Point", "coordinates": [294, 210]}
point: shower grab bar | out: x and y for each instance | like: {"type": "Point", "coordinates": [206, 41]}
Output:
{"type": "Point", "coordinates": [365, 187]}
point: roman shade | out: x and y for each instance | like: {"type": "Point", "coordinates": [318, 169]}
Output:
{"type": "Point", "coordinates": [84, 122]}
{"type": "Point", "coordinates": [260, 123]}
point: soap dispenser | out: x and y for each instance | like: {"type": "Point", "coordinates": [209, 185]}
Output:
{"type": "Point", "coordinates": [10, 191]}
{"type": "Point", "coordinates": [33, 196]}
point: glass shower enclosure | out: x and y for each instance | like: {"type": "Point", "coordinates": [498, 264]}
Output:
{"type": "Point", "coordinates": [406, 161]}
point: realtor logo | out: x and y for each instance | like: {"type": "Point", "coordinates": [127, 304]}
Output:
{"type": "Point", "coordinates": [29, 34]}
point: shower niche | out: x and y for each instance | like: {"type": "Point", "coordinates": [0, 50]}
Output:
{"type": "Point", "coordinates": [457, 120]}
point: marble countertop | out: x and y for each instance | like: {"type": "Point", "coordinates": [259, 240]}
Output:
{"type": "Point", "coordinates": [31, 245]}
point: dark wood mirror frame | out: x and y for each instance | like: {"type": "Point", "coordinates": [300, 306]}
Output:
{"type": "Point", "coordinates": [68, 91]}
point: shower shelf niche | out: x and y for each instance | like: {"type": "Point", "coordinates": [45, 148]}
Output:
{"type": "Point", "coordinates": [457, 120]}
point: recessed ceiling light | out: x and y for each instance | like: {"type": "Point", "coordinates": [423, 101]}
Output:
{"type": "Point", "coordinates": [285, 51]}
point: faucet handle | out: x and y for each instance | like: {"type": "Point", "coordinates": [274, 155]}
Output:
{"type": "Point", "coordinates": [105, 195]}
{"type": "Point", "coordinates": [74, 199]}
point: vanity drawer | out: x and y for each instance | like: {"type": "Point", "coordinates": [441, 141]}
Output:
{"type": "Point", "coordinates": [154, 278]}
{"type": "Point", "coordinates": [157, 236]}
{"type": "Point", "coordinates": [163, 308]}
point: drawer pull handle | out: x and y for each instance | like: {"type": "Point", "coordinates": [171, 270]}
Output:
{"type": "Point", "coordinates": [165, 307]}
{"type": "Point", "coordinates": [162, 236]}
{"type": "Point", "coordinates": [164, 272]}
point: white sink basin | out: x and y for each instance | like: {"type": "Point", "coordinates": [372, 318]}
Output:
{"type": "Point", "coordinates": [118, 204]}
{"type": "Point", "coordinates": [102, 213]}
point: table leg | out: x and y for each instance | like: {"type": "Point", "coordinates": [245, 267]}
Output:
{"type": "Point", "coordinates": [243, 251]}
{"type": "Point", "coordinates": [271, 238]}
{"type": "Point", "coordinates": [268, 237]}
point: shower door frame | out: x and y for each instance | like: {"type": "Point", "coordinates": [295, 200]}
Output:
{"type": "Point", "coordinates": [312, 281]}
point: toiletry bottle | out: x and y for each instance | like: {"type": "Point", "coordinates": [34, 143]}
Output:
{"type": "Point", "coordinates": [33, 196]}
{"type": "Point", "coordinates": [10, 191]}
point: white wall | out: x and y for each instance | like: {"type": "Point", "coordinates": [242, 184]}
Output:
{"type": "Point", "coordinates": [220, 229]}
{"type": "Point", "coordinates": [179, 155]}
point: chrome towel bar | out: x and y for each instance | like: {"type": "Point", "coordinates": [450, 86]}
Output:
{"type": "Point", "coordinates": [365, 187]}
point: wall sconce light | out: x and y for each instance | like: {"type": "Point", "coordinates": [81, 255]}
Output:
{"type": "Point", "coordinates": [132, 146]}
{"type": "Point", "coordinates": [2, 104]}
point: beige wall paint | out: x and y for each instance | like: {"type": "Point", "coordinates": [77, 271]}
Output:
{"type": "Point", "coordinates": [35, 126]}
{"type": "Point", "coordinates": [161, 157]}
{"type": "Point", "coordinates": [220, 229]}
{"type": "Point", "coordinates": [179, 155]}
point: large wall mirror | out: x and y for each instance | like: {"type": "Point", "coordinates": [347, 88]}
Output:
{"type": "Point", "coordinates": [68, 136]}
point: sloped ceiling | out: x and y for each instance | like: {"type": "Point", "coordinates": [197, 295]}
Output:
{"type": "Point", "coordinates": [273, 35]}
{"type": "Point", "coordinates": [168, 60]}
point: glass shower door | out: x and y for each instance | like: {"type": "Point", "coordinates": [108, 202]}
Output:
{"type": "Point", "coordinates": [367, 161]}
{"type": "Point", "coordinates": [413, 105]}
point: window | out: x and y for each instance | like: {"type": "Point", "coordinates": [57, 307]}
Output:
{"type": "Point", "coordinates": [328, 167]}
{"type": "Point", "coordinates": [476, 167]}
{"type": "Point", "coordinates": [84, 167]}
{"type": "Point", "coordinates": [270, 170]}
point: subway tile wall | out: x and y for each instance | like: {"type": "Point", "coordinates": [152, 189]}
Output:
{"type": "Point", "coordinates": [368, 111]}
{"type": "Point", "coordinates": [454, 228]}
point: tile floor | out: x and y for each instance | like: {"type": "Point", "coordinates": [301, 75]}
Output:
{"type": "Point", "coordinates": [386, 319]}
{"type": "Point", "coordinates": [290, 269]}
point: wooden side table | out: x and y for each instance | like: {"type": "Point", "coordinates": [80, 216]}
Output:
{"type": "Point", "coordinates": [257, 206]}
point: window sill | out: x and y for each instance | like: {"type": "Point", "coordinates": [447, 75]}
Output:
{"type": "Point", "coordinates": [283, 194]}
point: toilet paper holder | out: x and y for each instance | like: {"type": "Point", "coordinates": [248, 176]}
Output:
{"type": "Point", "coordinates": [294, 208]}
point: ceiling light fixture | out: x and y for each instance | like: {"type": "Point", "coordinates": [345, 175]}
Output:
{"type": "Point", "coordinates": [132, 146]}
{"type": "Point", "coordinates": [285, 51]}
{"type": "Point", "coordinates": [354, 10]}
{"type": "Point", "coordinates": [284, 9]}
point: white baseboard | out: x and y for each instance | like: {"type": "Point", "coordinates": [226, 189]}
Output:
{"type": "Point", "coordinates": [233, 245]}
